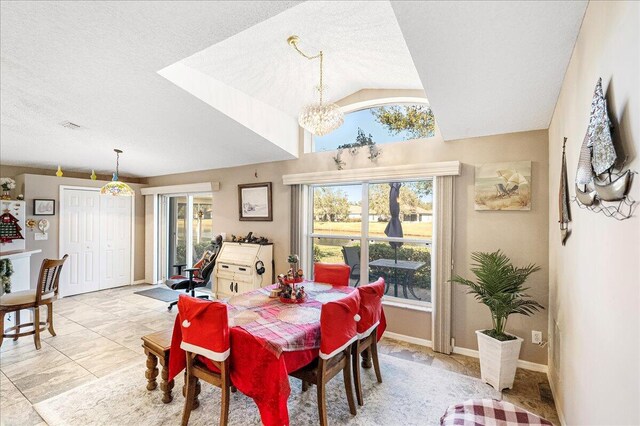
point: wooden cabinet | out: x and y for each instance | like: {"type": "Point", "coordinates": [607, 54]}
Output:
{"type": "Point", "coordinates": [242, 267]}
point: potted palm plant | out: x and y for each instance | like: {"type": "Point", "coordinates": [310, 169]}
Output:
{"type": "Point", "coordinates": [500, 286]}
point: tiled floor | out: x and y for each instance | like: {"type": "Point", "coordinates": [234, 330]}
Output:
{"type": "Point", "coordinates": [100, 332]}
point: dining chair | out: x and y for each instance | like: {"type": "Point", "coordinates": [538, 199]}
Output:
{"type": "Point", "coordinates": [205, 337]}
{"type": "Point", "coordinates": [370, 314]}
{"type": "Point", "coordinates": [351, 256]}
{"type": "Point", "coordinates": [331, 273]}
{"type": "Point", "coordinates": [45, 293]}
{"type": "Point", "coordinates": [337, 333]}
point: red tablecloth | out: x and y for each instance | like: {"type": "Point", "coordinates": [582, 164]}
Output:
{"type": "Point", "coordinates": [265, 349]}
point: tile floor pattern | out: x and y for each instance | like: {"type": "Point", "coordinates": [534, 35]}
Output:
{"type": "Point", "coordinates": [100, 332]}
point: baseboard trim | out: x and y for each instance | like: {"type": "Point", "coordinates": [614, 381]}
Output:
{"type": "Point", "coordinates": [409, 339]}
{"type": "Point", "coordinates": [527, 365]}
{"type": "Point", "coordinates": [555, 400]}
{"type": "Point", "coordinates": [138, 282]}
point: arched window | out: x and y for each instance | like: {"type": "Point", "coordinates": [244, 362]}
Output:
{"type": "Point", "coordinates": [379, 123]}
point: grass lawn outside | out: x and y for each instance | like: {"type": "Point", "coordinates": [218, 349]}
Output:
{"type": "Point", "coordinates": [376, 229]}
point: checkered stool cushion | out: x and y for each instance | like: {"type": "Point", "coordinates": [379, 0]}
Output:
{"type": "Point", "coordinates": [478, 412]}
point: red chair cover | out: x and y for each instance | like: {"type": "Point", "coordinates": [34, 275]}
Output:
{"type": "Point", "coordinates": [205, 328]}
{"type": "Point", "coordinates": [370, 307]}
{"type": "Point", "coordinates": [338, 324]}
{"type": "Point", "coordinates": [331, 273]}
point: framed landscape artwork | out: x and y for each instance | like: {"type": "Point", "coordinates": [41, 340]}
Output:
{"type": "Point", "coordinates": [254, 202]}
{"type": "Point", "coordinates": [503, 186]}
{"type": "Point", "coordinates": [44, 207]}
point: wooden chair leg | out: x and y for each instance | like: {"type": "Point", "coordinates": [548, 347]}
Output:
{"type": "Point", "coordinates": [322, 402]}
{"type": "Point", "coordinates": [188, 399]}
{"type": "Point", "coordinates": [18, 326]}
{"type": "Point", "coordinates": [305, 385]}
{"type": "Point", "coordinates": [2, 314]}
{"type": "Point", "coordinates": [356, 374]}
{"type": "Point", "coordinates": [50, 319]}
{"type": "Point", "coordinates": [226, 396]}
{"type": "Point", "coordinates": [36, 326]}
{"type": "Point", "coordinates": [374, 356]}
{"type": "Point", "coordinates": [348, 387]}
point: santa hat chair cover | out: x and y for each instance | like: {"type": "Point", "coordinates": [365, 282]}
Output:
{"type": "Point", "coordinates": [205, 328]}
{"type": "Point", "coordinates": [338, 324]}
{"type": "Point", "coordinates": [331, 273]}
{"type": "Point", "coordinates": [370, 307]}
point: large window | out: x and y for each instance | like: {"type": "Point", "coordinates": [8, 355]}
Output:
{"type": "Point", "coordinates": [379, 125]}
{"type": "Point", "coordinates": [379, 229]}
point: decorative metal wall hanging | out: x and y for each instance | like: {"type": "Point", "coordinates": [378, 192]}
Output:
{"type": "Point", "coordinates": [598, 181]}
{"type": "Point", "coordinates": [565, 211]}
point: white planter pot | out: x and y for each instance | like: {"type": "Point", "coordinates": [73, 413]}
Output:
{"type": "Point", "coordinates": [498, 360]}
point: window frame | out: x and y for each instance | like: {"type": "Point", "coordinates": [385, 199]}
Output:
{"type": "Point", "coordinates": [309, 139]}
{"type": "Point", "coordinates": [364, 237]}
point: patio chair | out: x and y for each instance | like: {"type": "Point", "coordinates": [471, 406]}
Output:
{"type": "Point", "coordinates": [351, 257]}
{"type": "Point", "coordinates": [502, 191]}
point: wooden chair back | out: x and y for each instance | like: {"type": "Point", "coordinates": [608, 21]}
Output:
{"type": "Point", "coordinates": [49, 278]}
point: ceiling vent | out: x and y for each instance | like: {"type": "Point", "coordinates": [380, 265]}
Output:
{"type": "Point", "coordinates": [69, 125]}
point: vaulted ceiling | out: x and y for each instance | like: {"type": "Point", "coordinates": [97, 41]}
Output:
{"type": "Point", "coordinates": [183, 86]}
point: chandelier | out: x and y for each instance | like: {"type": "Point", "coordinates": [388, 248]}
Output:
{"type": "Point", "coordinates": [318, 118]}
{"type": "Point", "coordinates": [115, 187]}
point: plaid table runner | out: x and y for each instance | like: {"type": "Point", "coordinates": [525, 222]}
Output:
{"type": "Point", "coordinates": [479, 412]}
{"type": "Point", "coordinates": [280, 326]}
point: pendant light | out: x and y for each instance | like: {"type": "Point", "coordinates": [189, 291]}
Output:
{"type": "Point", "coordinates": [115, 187]}
{"type": "Point", "coordinates": [318, 118]}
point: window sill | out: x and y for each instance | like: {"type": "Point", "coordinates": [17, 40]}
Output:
{"type": "Point", "coordinates": [409, 306]}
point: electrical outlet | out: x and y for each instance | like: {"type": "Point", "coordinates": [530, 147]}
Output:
{"type": "Point", "coordinates": [536, 337]}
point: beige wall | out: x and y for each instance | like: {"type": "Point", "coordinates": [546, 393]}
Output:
{"type": "Point", "coordinates": [48, 187]}
{"type": "Point", "coordinates": [522, 235]}
{"type": "Point", "coordinates": [595, 279]}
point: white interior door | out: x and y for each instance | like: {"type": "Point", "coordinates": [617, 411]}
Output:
{"type": "Point", "coordinates": [115, 241]}
{"type": "Point", "coordinates": [80, 239]}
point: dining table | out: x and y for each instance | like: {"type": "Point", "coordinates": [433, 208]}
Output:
{"type": "Point", "coordinates": [270, 339]}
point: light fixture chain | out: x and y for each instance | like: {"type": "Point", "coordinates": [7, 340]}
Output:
{"type": "Point", "coordinates": [321, 89]}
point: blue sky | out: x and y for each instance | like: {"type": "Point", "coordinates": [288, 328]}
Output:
{"type": "Point", "coordinates": [348, 131]}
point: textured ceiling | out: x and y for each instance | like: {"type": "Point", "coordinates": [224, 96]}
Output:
{"type": "Point", "coordinates": [491, 67]}
{"type": "Point", "coordinates": [113, 68]}
{"type": "Point", "coordinates": [95, 64]}
{"type": "Point", "coordinates": [362, 43]}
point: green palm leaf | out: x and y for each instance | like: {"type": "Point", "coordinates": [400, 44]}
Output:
{"type": "Point", "coordinates": [500, 286]}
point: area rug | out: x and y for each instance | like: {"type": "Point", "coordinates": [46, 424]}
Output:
{"type": "Point", "coordinates": [159, 293]}
{"type": "Point", "coordinates": [411, 394]}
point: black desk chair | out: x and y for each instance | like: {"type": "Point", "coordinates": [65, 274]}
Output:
{"type": "Point", "coordinates": [190, 283]}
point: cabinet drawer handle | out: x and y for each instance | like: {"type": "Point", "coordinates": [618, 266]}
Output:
{"type": "Point", "coordinates": [231, 287]}
{"type": "Point", "coordinates": [225, 266]}
{"type": "Point", "coordinates": [243, 269]}
{"type": "Point", "coordinates": [236, 287]}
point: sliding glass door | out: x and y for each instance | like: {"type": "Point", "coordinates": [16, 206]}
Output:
{"type": "Point", "coordinates": [185, 228]}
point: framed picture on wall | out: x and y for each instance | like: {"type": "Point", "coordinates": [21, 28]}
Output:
{"type": "Point", "coordinates": [254, 202]}
{"type": "Point", "coordinates": [44, 207]}
{"type": "Point", "coordinates": [503, 186]}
